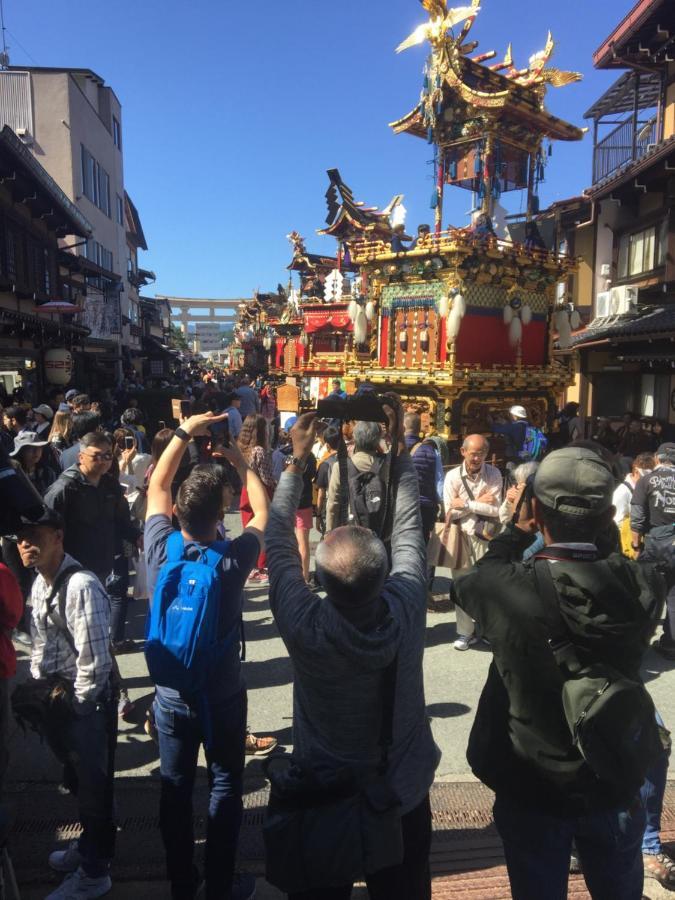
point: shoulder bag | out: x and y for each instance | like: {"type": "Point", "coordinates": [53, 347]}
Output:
{"type": "Point", "coordinates": [325, 829]}
{"type": "Point", "coordinates": [611, 717]}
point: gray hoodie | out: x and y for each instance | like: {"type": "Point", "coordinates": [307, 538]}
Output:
{"type": "Point", "coordinates": [337, 689]}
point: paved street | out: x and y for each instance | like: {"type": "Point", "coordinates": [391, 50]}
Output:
{"type": "Point", "coordinates": [466, 848]}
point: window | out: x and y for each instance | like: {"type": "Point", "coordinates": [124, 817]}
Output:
{"type": "Point", "coordinates": [95, 181]}
{"type": "Point", "coordinates": [120, 210]}
{"type": "Point", "coordinates": [642, 251]}
{"type": "Point", "coordinates": [94, 252]}
{"type": "Point", "coordinates": [104, 191]}
{"type": "Point", "coordinates": [117, 133]}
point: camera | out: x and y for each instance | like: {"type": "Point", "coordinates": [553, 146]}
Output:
{"type": "Point", "coordinates": [366, 407]}
{"type": "Point", "coordinates": [525, 500]}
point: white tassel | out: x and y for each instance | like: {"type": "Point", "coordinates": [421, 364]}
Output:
{"type": "Point", "coordinates": [459, 304]}
{"type": "Point", "coordinates": [508, 314]}
{"type": "Point", "coordinates": [352, 310]}
{"type": "Point", "coordinates": [360, 327]}
{"type": "Point", "coordinates": [575, 319]}
{"type": "Point", "coordinates": [564, 330]}
{"type": "Point", "coordinates": [403, 339]}
{"type": "Point", "coordinates": [515, 331]}
{"type": "Point", "coordinates": [370, 310]}
{"type": "Point", "coordinates": [444, 306]}
{"type": "Point", "coordinates": [454, 323]}
{"type": "Point", "coordinates": [526, 314]}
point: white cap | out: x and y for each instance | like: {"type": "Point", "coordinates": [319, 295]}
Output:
{"type": "Point", "coordinates": [518, 412]}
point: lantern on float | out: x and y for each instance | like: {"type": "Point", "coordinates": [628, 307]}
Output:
{"type": "Point", "coordinates": [58, 366]}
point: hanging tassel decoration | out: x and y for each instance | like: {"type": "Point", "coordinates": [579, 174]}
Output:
{"type": "Point", "coordinates": [575, 320]}
{"type": "Point", "coordinates": [526, 314]}
{"type": "Point", "coordinates": [360, 327]}
{"type": "Point", "coordinates": [564, 332]}
{"type": "Point", "coordinates": [459, 304]}
{"type": "Point", "coordinates": [452, 170]}
{"type": "Point", "coordinates": [444, 306]}
{"type": "Point", "coordinates": [508, 314]}
{"type": "Point", "coordinates": [454, 322]}
{"type": "Point", "coordinates": [434, 199]}
{"type": "Point", "coordinates": [403, 339]}
{"type": "Point", "coordinates": [515, 331]}
{"type": "Point", "coordinates": [352, 310]}
{"type": "Point", "coordinates": [370, 310]}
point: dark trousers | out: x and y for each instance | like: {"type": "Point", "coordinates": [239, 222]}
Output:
{"type": "Point", "coordinates": [117, 585]}
{"type": "Point", "coordinates": [86, 746]}
{"type": "Point", "coordinates": [409, 881]}
{"type": "Point", "coordinates": [180, 735]}
{"type": "Point", "coordinates": [429, 516]}
{"type": "Point", "coordinates": [537, 848]}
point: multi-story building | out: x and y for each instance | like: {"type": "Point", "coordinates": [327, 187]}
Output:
{"type": "Point", "coordinates": [626, 223]}
{"type": "Point", "coordinates": [71, 121]}
{"type": "Point", "coordinates": [38, 340]}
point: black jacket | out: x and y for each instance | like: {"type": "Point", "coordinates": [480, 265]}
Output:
{"type": "Point", "coordinates": [96, 518]}
{"type": "Point", "coordinates": [520, 743]}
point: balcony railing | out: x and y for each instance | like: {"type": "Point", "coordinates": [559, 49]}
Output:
{"type": "Point", "coordinates": [624, 145]}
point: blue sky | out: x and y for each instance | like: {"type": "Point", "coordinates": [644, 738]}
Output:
{"type": "Point", "coordinates": [234, 111]}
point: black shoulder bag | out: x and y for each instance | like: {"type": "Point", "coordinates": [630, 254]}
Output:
{"type": "Point", "coordinates": [328, 829]}
{"type": "Point", "coordinates": [611, 717]}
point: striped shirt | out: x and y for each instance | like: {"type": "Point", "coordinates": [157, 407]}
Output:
{"type": "Point", "coordinates": [87, 615]}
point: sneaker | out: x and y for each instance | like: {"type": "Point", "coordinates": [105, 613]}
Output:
{"type": "Point", "coordinates": [259, 746]}
{"type": "Point", "coordinates": [22, 638]}
{"type": "Point", "coordinates": [80, 886]}
{"type": "Point", "coordinates": [260, 576]}
{"type": "Point", "coordinates": [125, 707]}
{"type": "Point", "coordinates": [120, 647]}
{"type": "Point", "coordinates": [66, 860]}
{"type": "Point", "coordinates": [465, 641]}
{"type": "Point", "coordinates": [243, 886]}
{"type": "Point", "coordinates": [660, 867]}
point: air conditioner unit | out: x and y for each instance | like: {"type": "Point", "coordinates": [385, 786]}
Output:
{"type": "Point", "coordinates": [623, 299]}
{"type": "Point", "coordinates": [602, 304]}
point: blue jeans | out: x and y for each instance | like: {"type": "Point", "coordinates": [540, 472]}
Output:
{"type": "Point", "coordinates": [86, 746]}
{"type": "Point", "coordinates": [180, 734]}
{"type": "Point", "coordinates": [651, 793]}
{"type": "Point", "coordinates": [537, 848]}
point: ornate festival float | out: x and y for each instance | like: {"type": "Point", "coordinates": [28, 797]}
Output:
{"type": "Point", "coordinates": [459, 321]}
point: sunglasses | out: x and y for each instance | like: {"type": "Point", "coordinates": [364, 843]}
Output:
{"type": "Point", "coordinates": [98, 457]}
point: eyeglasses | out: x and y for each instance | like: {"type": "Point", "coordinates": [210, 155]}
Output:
{"type": "Point", "coordinates": [98, 457]}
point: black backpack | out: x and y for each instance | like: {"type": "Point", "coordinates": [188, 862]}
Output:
{"type": "Point", "coordinates": [368, 495]}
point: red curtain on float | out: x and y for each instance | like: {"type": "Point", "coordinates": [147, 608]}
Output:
{"type": "Point", "coordinates": [279, 353]}
{"type": "Point", "coordinates": [299, 352]}
{"type": "Point", "coordinates": [384, 341]}
{"type": "Point", "coordinates": [315, 321]}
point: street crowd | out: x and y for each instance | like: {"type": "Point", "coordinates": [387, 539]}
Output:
{"type": "Point", "coordinates": [562, 562]}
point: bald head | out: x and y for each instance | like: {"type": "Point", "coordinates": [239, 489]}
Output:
{"type": "Point", "coordinates": [474, 450]}
{"type": "Point", "coordinates": [351, 564]}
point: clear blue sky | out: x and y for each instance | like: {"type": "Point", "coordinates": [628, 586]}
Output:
{"type": "Point", "coordinates": [234, 110]}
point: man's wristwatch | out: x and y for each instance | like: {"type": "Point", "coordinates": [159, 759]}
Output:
{"type": "Point", "coordinates": [182, 434]}
{"type": "Point", "coordinates": [296, 461]}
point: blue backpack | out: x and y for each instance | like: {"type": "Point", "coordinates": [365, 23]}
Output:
{"type": "Point", "coordinates": [534, 445]}
{"type": "Point", "coordinates": [183, 627]}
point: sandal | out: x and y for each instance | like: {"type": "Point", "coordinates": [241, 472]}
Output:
{"type": "Point", "coordinates": [660, 867]}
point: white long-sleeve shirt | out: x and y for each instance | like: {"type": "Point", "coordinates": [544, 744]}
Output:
{"type": "Point", "coordinates": [622, 498]}
{"type": "Point", "coordinates": [488, 479]}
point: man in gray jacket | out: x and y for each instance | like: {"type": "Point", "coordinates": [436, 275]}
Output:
{"type": "Point", "coordinates": [341, 646]}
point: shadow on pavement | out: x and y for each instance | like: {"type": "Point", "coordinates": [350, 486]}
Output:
{"type": "Point", "coordinates": [447, 710]}
{"type": "Point", "coordinates": [268, 673]}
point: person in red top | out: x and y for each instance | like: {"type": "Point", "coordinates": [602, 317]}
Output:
{"type": "Point", "coordinates": [11, 609]}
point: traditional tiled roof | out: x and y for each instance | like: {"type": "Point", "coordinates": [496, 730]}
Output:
{"type": "Point", "coordinates": [656, 320]}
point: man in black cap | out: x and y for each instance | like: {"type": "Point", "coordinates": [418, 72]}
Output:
{"type": "Point", "coordinates": [652, 522]}
{"type": "Point", "coordinates": [521, 745]}
{"type": "Point", "coordinates": [70, 625]}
